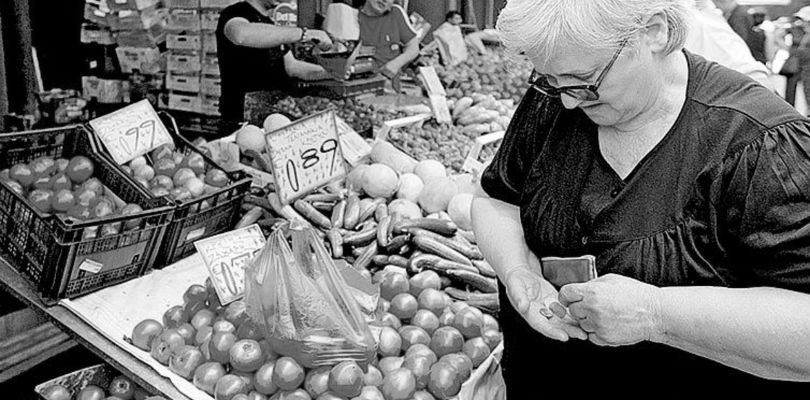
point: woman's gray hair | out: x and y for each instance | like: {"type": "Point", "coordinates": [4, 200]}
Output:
{"type": "Point", "coordinates": [540, 27]}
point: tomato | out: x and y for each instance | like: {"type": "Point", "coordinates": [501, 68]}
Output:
{"type": "Point", "coordinates": [263, 379]}
{"type": "Point", "coordinates": [207, 375]}
{"type": "Point", "coordinates": [56, 392]}
{"type": "Point", "coordinates": [426, 320]}
{"type": "Point", "coordinates": [399, 384]}
{"type": "Point", "coordinates": [185, 361]}
{"type": "Point", "coordinates": [412, 335]}
{"type": "Point", "coordinates": [145, 332]}
{"type": "Point", "coordinates": [246, 355]}
{"type": "Point", "coordinates": [229, 386]}
{"type": "Point", "coordinates": [443, 382]}
{"type": "Point", "coordinates": [446, 340]}
{"type": "Point", "coordinates": [79, 169]}
{"type": "Point", "coordinates": [220, 346]}
{"type": "Point", "coordinates": [174, 317]}
{"type": "Point", "coordinates": [346, 379]}
{"type": "Point", "coordinates": [288, 374]}
{"type": "Point", "coordinates": [122, 387]}
{"type": "Point", "coordinates": [91, 392]}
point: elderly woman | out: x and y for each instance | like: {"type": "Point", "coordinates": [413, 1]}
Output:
{"type": "Point", "coordinates": [687, 181]}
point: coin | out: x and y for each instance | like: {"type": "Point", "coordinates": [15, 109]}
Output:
{"type": "Point", "coordinates": [558, 310]}
{"type": "Point", "coordinates": [546, 312]}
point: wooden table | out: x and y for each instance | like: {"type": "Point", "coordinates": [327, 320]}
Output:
{"type": "Point", "coordinates": [138, 371]}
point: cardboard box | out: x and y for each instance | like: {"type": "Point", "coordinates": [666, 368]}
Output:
{"type": "Point", "coordinates": [95, 15]}
{"type": "Point", "coordinates": [184, 63]}
{"type": "Point", "coordinates": [209, 42]}
{"type": "Point", "coordinates": [210, 105]}
{"type": "Point", "coordinates": [105, 90]}
{"type": "Point", "coordinates": [151, 37]}
{"type": "Point", "coordinates": [184, 20]}
{"type": "Point", "coordinates": [211, 85]}
{"type": "Point", "coordinates": [209, 20]}
{"type": "Point", "coordinates": [182, 102]}
{"type": "Point", "coordinates": [210, 65]}
{"type": "Point", "coordinates": [175, 41]}
{"type": "Point", "coordinates": [121, 5]}
{"type": "Point", "coordinates": [189, 4]}
{"type": "Point", "coordinates": [129, 20]}
{"type": "Point", "coordinates": [183, 83]}
{"type": "Point", "coordinates": [96, 34]}
{"type": "Point", "coordinates": [147, 60]}
{"type": "Point", "coordinates": [217, 4]}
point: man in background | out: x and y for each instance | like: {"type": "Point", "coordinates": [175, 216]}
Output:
{"type": "Point", "coordinates": [386, 27]}
{"type": "Point", "coordinates": [739, 20]}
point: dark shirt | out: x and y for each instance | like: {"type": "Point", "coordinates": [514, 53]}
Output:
{"type": "Point", "coordinates": [387, 33]}
{"type": "Point", "coordinates": [723, 200]}
{"type": "Point", "coordinates": [246, 69]}
{"type": "Point", "coordinates": [741, 22]}
{"type": "Point", "coordinates": [756, 42]}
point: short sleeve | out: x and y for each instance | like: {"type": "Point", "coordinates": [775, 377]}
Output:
{"type": "Point", "coordinates": [534, 117]}
{"type": "Point", "coordinates": [764, 202]}
{"type": "Point", "coordinates": [403, 24]}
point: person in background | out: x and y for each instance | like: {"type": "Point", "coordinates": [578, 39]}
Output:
{"type": "Point", "coordinates": [792, 67]}
{"type": "Point", "coordinates": [758, 40]}
{"type": "Point", "coordinates": [688, 182]}
{"type": "Point", "coordinates": [254, 55]}
{"type": "Point", "coordinates": [711, 37]}
{"type": "Point", "coordinates": [737, 17]}
{"type": "Point", "coordinates": [803, 52]}
{"type": "Point", "coordinates": [453, 20]}
{"type": "Point", "coordinates": [386, 27]}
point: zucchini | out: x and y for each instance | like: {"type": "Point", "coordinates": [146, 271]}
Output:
{"type": "Point", "coordinates": [352, 215]}
{"type": "Point", "coordinates": [383, 231]}
{"type": "Point", "coordinates": [396, 244]}
{"type": "Point", "coordinates": [429, 245]}
{"type": "Point", "coordinates": [365, 258]}
{"type": "Point", "coordinates": [381, 212]}
{"type": "Point", "coordinates": [468, 250]}
{"type": "Point", "coordinates": [418, 263]}
{"type": "Point", "coordinates": [362, 238]}
{"type": "Point", "coordinates": [338, 213]}
{"type": "Point", "coordinates": [310, 213]}
{"type": "Point", "coordinates": [250, 217]}
{"type": "Point", "coordinates": [336, 242]}
{"type": "Point", "coordinates": [380, 260]}
{"type": "Point", "coordinates": [442, 227]}
{"type": "Point", "coordinates": [473, 280]}
{"type": "Point", "coordinates": [399, 261]}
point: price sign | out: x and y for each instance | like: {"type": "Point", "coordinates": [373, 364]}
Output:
{"type": "Point", "coordinates": [305, 155]}
{"type": "Point", "coordinates": [472, 163]}
{"type": "Point", "coordinates": [433, 84]}
{"type": "Point", "coordinates": [353, 145]}
{"type": "Point", "coordinates": [226, 256]}
{"type": "Point", "coordinates": [440, 109]}
{"type": "Point", "coordinates": [131, 131]}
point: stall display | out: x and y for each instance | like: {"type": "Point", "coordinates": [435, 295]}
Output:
{"type": "Point", "coordinates": [93, 383]}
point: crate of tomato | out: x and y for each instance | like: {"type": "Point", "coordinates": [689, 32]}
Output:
{"type": "Point", "coordinates": [207, 198]}
{"type": "Point", "coordinates": [70, 221]}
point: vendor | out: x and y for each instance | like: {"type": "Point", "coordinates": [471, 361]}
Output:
{"type": "Point", "coordinates": [386, 27]}
{"type": "Point", "coordinates": [688, 182]}
{"type": "Point", "coordinates": [254, 55]}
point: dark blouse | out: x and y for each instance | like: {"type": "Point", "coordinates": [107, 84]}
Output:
{"type": "Point", "coordinates": [722, 200]}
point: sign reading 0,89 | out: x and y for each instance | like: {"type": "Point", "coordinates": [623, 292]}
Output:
{"type": "Point", "coordinates": [305, 155]}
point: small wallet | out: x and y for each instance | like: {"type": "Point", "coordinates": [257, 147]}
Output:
{"type": "Point", "coordinates": [561, 271]}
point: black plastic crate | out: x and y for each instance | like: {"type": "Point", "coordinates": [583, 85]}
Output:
{"type": "Point", "coordinates": [53, 252]}
{"type": "Point", "coordinates": [200, 218]}
{"type": "Point", "coordinates": [342, 89]}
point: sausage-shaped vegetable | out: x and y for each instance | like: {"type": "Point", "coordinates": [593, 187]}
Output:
{"type": "Point", "coordinates": [397, 243]}
{"type": "Point", "coordinates": [258, 201]}
{"type": "Point", "coordinates": [270, 222]}
{"type": "Point", "coordinates": [418, 263]}
{"type": "Point", "coordinates": [352, 215]}
{"type": "Point", "coordinates": [428, 245]}
{"type": "Point", "coordinates": [380, 259]}
{"type": "Point", "coordinates": [367, 224]}
{"type": "Point", "coordinates": [381, 212]}
{"type": "Point", "coordinates": [362, 238]}
{"type": "Point", "coordinates": [284, 211]}
{"type": "Point", "coordinates": [469, 251]}
{"type": "Point", "coordinates": [440, 226]}
{"type": "Point", "coordinates": [313, 215]}
{"type": "Point", "coordinates": [250, 218]}
{"type": "Point", "coordinates": [383, 231]}
{"type": "Point", "coordinates": [464, 295]}
{"type": "Point", "coordinates": [358, 251]}
{"type": "Point", "coordinates": [324, 197]}
{"type": "Point", "coordinates": [338, 213]}
{"type": "Point", "coordinates": [323, 206]}
{"type": "Point", "coordinates": [489, 306]}
{"type": "Point", "coordinates": [399, 261]}
{"type": "Point", "coordinates": [336, 242]}
{"type": "Point", "coordinates": [367, 210]}
{"type": "Point", "coordinates": [473, 280]}
{"type": "Point", "coordinates": [364, 260]}
{"type": "Point", "coordinates": [484, 268]}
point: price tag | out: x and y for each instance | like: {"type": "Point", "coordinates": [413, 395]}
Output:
{"type": "Point", "coordinates": [472, 164]}
{"type": "Point", "coordinates": [131, 131]}
{"type": "Point", "coordinates": [305, 155]}
{"type": "Point", "coordinates": [226, 256]}
{"type": "Point", "coordinates": [433, 84]}
{"type": "Point", "coordinates": [353, 145]}
{"type": "Point", "coordinates": [440, 109]}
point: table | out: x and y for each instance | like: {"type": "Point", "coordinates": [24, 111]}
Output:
{"type": "Point", "coordinates": [87, 336]}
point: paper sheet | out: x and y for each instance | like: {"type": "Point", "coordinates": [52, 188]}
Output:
{"type": "Point", "coordinates": [114, 311]}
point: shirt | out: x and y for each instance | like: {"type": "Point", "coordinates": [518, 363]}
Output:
{"type": "Point", "coordinates": [722, 200]}
{"type": "Point", "coordinates": [246, 69]}
{"type": "Point", "coordinates": [387, 33]}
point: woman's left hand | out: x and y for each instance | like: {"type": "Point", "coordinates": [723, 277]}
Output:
{"type": "Point", "coordinates": [615, 310]}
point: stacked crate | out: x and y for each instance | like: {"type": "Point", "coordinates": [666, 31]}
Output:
{"type": "Point", "coordinates": [139, 27]}
{"type": "Point", "coordinates": [193, 80]}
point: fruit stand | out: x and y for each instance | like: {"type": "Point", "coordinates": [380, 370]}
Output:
{"type": "Point", "coordinates": [390, 228]}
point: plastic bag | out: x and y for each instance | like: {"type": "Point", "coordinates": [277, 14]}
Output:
{"type": "Point", "coordinates": [303, 304]}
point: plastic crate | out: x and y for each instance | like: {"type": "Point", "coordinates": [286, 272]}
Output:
{"type": "Point", "coordinates": [191, 4]}
{"type": "Point", "coordinates": [100, 375]}
{"type": "Point", "coordinates": [209, 215]}
{"type": "Point", "coordinates": [184, 102]}
{"type": "Point", "coordinates": [209, 42]}
{"type": "Point", "coordinates": [184, 63]}
{"type": "Point", "coordinates": [210, 65]}
{"type": "Point", "coordinates": [217, 4]}
{"type": "Point", "coordinates": [64, 258]}
{"type": "Point", "coordinates": [210, 105]}
{"type": "Point", "coordinates": [211, 86]}
{"type": "Point", "coordinates": [209, 20]}
{"type": "Point", "coordinates": [184, 20]}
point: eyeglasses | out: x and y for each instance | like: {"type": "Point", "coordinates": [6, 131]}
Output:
{"type": "Point", "coordinates": [579, 92]}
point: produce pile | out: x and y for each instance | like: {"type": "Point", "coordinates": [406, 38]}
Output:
{"type": "Point", "coordinates": [68, 189]}
{"type": "Point", "coordinates": [491, 73]}
{"type": "Point", "coordinates": [120, 388]}
{"type": "Point", "coordinates": [360, 116]}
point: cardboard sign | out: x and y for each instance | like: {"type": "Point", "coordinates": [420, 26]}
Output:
{"type": "Point", "coordinates": [388, 126]}
{"type": "Point", "coordinates": [226, 256]}
{"type": "Point", "coordinates": [305, 155]}
{"type": "Point", "coordinates": [131, 131]}
{"type": "Point", "coordinates": [471, 163]}
{"type": "Point", "coordinates": [433, 84]}
{"type": "Point", "coordinates": [353, 145]}
{"type": "Point", "coordinates": [440, 108]}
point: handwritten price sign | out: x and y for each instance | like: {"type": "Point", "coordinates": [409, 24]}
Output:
{"type": "Point", "coordinates": [305, 155]}
{"type": "Point", "coordinates": [131, 131]}
{"type": "Point", "coordinates": [226, 256]}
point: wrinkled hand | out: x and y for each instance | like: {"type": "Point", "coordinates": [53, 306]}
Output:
{"type": "Point", "coordinates": [615, 310]}
{"type": "Point", "coordinates": [321, 38]}
{"type": "Point", "coordinates": [529, 292]}
{"type": "Point", "coordinates": [388, 71]}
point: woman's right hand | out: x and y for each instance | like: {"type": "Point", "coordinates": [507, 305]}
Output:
{"type": "Point", "coordinates": [529, 292]}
